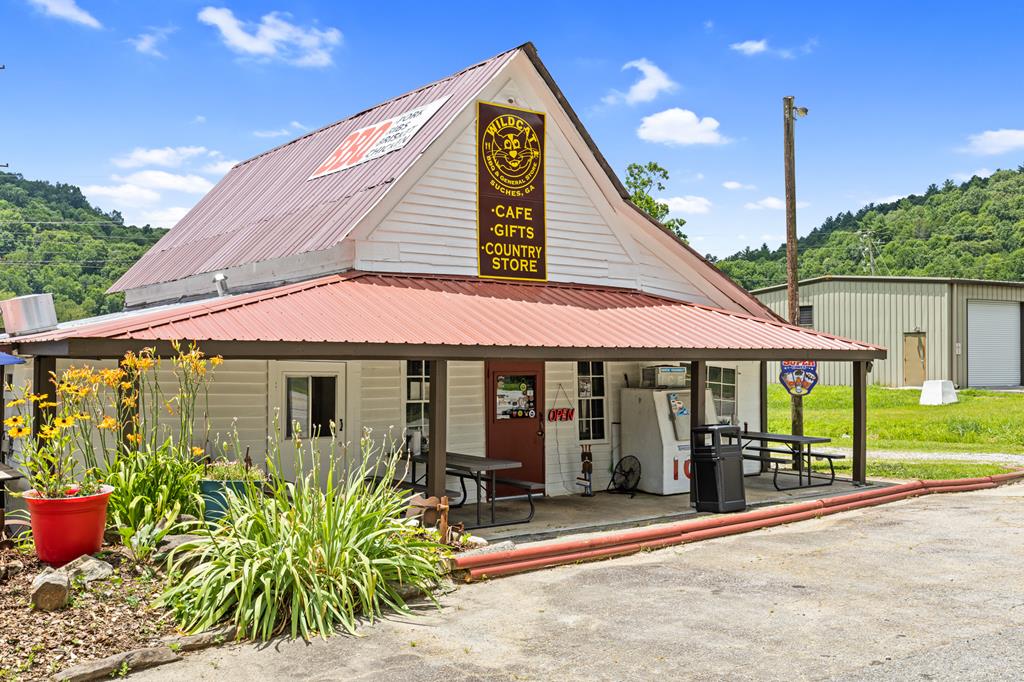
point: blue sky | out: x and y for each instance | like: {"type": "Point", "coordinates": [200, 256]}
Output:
{"type": "Point", "coordinates": [143, 104]}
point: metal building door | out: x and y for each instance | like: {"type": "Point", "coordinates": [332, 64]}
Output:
{"type": "Point", "coordinates": [915, 358]}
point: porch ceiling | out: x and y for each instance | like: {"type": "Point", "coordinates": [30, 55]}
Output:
{"type": "Point", "coordinates": [361, 315]}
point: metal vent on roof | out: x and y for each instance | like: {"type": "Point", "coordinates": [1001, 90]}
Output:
{"type": "Point", "coordinates": [29, 314]}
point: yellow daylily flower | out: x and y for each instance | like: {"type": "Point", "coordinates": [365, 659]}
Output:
{"type": "Point", "coordinates": [197, 451]}
{"type": "Point", "coordinates": [107, 423]}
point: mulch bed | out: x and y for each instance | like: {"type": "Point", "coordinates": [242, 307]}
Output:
{"type": "Point", "coordinates": [103, 618]}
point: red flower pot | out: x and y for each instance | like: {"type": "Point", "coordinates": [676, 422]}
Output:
{"type": "Point", "coordinates": [67, 528]}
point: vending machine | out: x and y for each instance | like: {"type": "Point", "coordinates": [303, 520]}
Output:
{"type": "Point", "coordinates": [656, 430]}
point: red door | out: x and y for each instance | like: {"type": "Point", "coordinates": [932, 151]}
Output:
{"type": "Point", "coordinates": [515, 418]}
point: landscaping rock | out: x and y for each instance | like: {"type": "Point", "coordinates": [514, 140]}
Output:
{"type": "Point", "coordinates": [51, 590]}
{"type": "Point", "coordinates": [503, 546]}
{"type": "Point", "coordinates": [475, 542]}
{"type": "Point", "coordinates": [89, 568]}
{"type": "Point", "coordinates": [172, 542]}
{"type": "Point", "coordinates": [202, 640]}
{"type": "Point", "coordinates": [111, 666]}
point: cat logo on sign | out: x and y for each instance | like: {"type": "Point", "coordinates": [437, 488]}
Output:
{"type": "Point", "coordinates": [511, 152]}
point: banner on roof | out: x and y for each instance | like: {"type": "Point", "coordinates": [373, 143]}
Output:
{"type": "Point", "coordinates": [371, 142]}
{"type": "Point", "coordinates": [511, 228]}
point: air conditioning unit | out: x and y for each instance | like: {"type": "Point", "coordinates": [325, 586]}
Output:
{"type": "Point", "coordinates": [29, 314]}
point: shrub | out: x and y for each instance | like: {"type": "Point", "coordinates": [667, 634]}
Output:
{"type": "Point", "coordinates": [307, 557]}
{"type": "Point", "coordinates": [227, 470]}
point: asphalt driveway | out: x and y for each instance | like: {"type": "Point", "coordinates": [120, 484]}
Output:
{"type": "Point", "coordinates": [925, 589]}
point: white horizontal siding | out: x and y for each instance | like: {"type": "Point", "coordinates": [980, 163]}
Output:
{"type": "Point", "coordinates": [433, 229]}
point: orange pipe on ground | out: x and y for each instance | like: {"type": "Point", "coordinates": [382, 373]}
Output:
{"type": "Point", "coordinates": [630, 542]}
{"type": "Point", "coordinates": [625, 537]}
{"type": "Point", "coordinates": [1013, 475]}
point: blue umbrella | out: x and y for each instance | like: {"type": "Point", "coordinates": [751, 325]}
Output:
{"type": "Point", "coordinates": [7, 359]}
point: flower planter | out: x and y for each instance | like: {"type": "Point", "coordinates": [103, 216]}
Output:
{"type": "Point", "coordinates": [215, 497]}
{"type": "Point", "coordinates": [66, 528]}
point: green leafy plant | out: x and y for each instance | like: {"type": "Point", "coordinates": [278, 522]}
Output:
{"type": "Point", "coordinates": [227, 470]}
{"type": "Point", "coordinates": [308, 556]}
{"type": "Point", "coordinates": [150, 484]}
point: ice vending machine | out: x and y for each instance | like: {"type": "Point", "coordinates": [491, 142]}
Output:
{"type": "Point", "coordinates": [656, 430]}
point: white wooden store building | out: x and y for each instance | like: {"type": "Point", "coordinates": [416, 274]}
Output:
{"type": "Point", "coordinates": [349, 275]}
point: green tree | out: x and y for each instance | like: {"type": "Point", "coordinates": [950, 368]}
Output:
{"type": "Point", "coordinates": [52, 240]}
{"type": "Point", "coordinates": [642, 180]}
{"type": "Point", "coordinates": [974, 229]}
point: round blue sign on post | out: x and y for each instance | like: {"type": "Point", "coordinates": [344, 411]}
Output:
{"type": "Point", "coordinates": [799, 376]}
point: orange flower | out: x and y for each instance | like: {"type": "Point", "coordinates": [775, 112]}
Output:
{"type": "Point", "coordinates": [197, 451]}
{"type": "Point", "coordinates": [216, 360]}
{"type": "Point", "coordinates": [135, 438]}
{"type": "Point", "coordinates": [107, 423]}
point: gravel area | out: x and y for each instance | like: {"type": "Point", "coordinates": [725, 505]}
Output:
{"type": "Point", "coordinates": [1001, 458]}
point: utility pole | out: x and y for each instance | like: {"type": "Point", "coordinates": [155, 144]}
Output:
{"type": "Point", "coordinates": [789, 114]}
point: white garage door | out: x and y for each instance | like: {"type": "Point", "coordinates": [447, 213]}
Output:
{"type": "Point", "coordinates": [993, 343]}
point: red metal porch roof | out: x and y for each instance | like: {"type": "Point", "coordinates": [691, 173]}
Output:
{"type": "Point", "coordinates": [411, 310]}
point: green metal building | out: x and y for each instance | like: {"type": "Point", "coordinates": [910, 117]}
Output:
{"type": "Point", "coordinates": [965, 330]}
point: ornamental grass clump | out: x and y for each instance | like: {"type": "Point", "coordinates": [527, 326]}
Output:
{"type": "Point", "coordinates": [309, 556]}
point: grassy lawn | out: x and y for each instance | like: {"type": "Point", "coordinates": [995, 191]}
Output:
{"type": "Point", "coordinates": [927, 469]}
{"type": "Point", "coordinates": [983, 421]}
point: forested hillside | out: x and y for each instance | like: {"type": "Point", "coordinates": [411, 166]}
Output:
{"type": "Point", "coordinates": [53, 240]}
{"type": "Point", "coordinates": [974, 230]}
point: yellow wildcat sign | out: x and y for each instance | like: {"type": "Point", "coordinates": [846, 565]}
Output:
{"type": "Point", "coordinates": [511, 228]}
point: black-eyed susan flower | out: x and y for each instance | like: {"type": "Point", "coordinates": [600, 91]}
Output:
{"type": "Point", "coordinates": [64, 422]}
{"type": "Point", "coordinates": [19, 432]}
{"type": "Point", "coordinates": [16, 420]}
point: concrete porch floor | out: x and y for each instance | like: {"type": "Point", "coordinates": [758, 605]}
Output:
{"type": "Point", "coordinates": [565, 515]}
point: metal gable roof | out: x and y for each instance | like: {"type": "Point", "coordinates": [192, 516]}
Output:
{"type": "Point", "coordinates": [266, 207]}
{"type": "Point", "coordinates": [459, 312]}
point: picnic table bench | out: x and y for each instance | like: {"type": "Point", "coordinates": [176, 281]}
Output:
{"type": "Point", "coordinates": [800, 455]}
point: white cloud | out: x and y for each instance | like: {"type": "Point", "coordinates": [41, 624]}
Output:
{"type": "Point", "coordinates": [68, 10]}
{"type": "Point", "coordinates": [652, 83]}
{"type": "Point", "coordinates": [281, 132]}
{"type": "Point", "coordinates": [149, 42]}
{"type": "Point", "coordinates": [274, 37]}
{"type": "Point", "coordinates": [993, 142]}
{"type": "Point", "coordinates": [163, 217]}
{"type": "Point", "coordinates": [772, 203]}
{"type": "Point", "coordinates": [170, 157]}
{"type": "Point", "coordinates": [158, 179]}
{"type": "Point", "coordinates": [680, 127]}
{"type": "Point", "coordinates": [772, 237]}
{"type": "Point", "coordinates": [687, 204]}
{"type": "Point", "coordinates": [735, 184]}
{"type": "Point", "coordinates": [199, 119]}
{"type": "Point", "coordinates": [125, 194]}
{"type": "Point", "coordinates": [709, 26]}
{"type": "Point", "coordinates": [981, 173]}
{"type": "Point", "coordinates": [219, 167]}
{"type": "Point", "coordinates": [750, 47]}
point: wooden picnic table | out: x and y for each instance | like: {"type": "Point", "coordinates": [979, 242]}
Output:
{"type": "Point", "coordinates": [476, 468]}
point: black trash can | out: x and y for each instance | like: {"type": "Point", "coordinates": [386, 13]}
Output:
{"type": "Point", "coordinates": [717, 469]}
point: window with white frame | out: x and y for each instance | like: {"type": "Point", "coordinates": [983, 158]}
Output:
{"type": "Point", "coordinates": [310, 405]}
{"type": "Point", "coordinates": [417, 396]}
{"type": "Point", "coordinates": [590, 392]}
{"type": "Point", "coordinates": [722, 384]}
